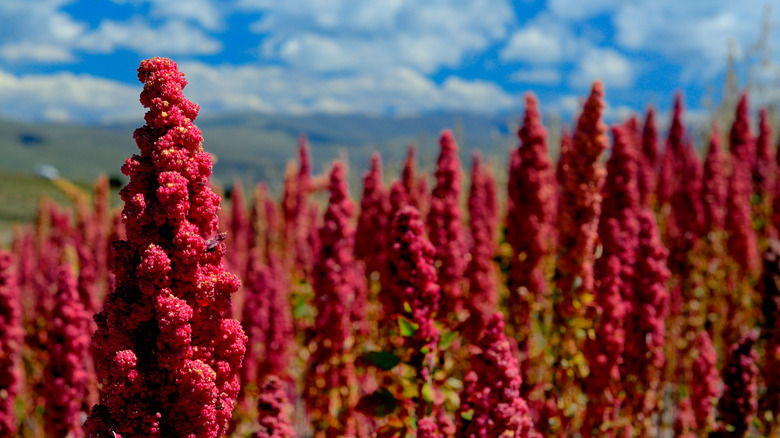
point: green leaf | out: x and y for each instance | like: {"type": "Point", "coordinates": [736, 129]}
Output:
{"type": "Point", "coordinates": [447, 338]}
{"type": "Point", "coordinates": [408, 327]}
{"type": "Point", "coordinates": [427, 393]}
{"type": "Point", "coordinates": [383, 360]}
{"type": "Point", "coordinates": [378, 404]}
{"type": "Point", "coordinates": [467, 415]}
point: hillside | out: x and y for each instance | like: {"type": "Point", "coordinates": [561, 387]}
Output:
{"type": "Point", "coordinates": [249, 147]}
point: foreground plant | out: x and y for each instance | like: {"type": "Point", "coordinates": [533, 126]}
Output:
{"type": "Point", "coordinates": [168, 355]}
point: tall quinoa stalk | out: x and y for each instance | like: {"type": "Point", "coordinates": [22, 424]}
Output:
{"type": "Point", "coordinates": [580, 205]}
{"type": "Point", "coordinates": [648, 162]}
{"type": "Point", "coordinates": [413, 284]}
{"type": "Point", "coordinates": [66, 376]}
{"type": "Point", "coordinates": [764, 171]}
{"type": "Point", "coordinates": [529, 222]}
{"type": "Point", "coordinates": [615, 275]}
{"type": "Point", "coordinates": [273, 411]}
{"type": "Point", "coordinates": [582, 178]}
{"type": "Point", "coordinates": [705, 383]}
{"type": "Point", "coordinates": [649, 312]}
{"type": "Point", "coordinates": [715, 187]}
{"type": "Point", "coordinates": [482, 272]}
{"type": "Point", "coordinates": [742, 238]}
{"type": "Point", "coordinates": [373, 220]}
{"type": "Point", "coordinates": [491, 404]}
{"type": "Point", "coordinates": [445, 226]}
{"type": "Point", "coordinates": [169, 354]}
{"type": "Point", "coordinates": [739, 404]}
{"type": "Point", "coordinates": [10, 344]}
{"type": "Point", "coordinates": [769, 288]}
{"type": "Point", "coordinates": [330, 380]}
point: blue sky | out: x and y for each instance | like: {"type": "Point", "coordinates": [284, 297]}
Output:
{"type": "Point", "coordinates": [76, 60]}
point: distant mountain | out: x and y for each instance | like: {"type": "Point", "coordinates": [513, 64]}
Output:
{"type": "Point", "coordinates": [255, 147]}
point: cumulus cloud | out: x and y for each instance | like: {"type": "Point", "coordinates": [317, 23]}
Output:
{"type": "Point", "coordinates": [174, 37]}
{"type": "Point", "coordinates": [250, 88]}
{"type": "Point", "coordinates": [372, 35]}
{"type": "Point", "coordinates": [279, 89]}
{"type": "Point", "coordinates": [39, 31]}
{"type": "Point", "coordinates": [548, 46]}
{"type": "Point", "coordinates": [66, 96]}
{"type": "Point", "coordinates": [35, 52]}
{"type": "Point", "coordinates": [540, 76]}
{"type": "Point", "coordinates": [607, 65]}
{"type": "Point", "coordinates": [36, 31]}
{"type": "Point", "coordinates": [580, 10]}
{"type": "Point", "coordinates": [203, 12]}
{"type": "Point", "coordinates": [536, 45]}
{"type": "Point", "coordinates": [695, 34]}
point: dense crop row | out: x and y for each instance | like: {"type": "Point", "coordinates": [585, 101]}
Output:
{"type": "Point", "coordinates": [622, 298]}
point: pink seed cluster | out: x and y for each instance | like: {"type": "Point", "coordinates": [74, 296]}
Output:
{"type": "Point", "coordinates": [580, 203]}
{"type": "Point", "coordinates": [530, 215]}
{"type": "Point", "coordinates": [66, 378]}
{"type": "Point", "coordinates": [739, 404]}
{"type": "Point", "coordinates": [10, 343]}
{"type": "Point", "coordinates": [373, 221]}
{"type": "Point", "coordinates": [705, 382]}
{"type": "Point", "coordinates": [445, 226]}
{"type": "Point", "coordinates": [715, 191]}
{"type": "Point", "coordinates": [168, 354]}
{"type": "Point", "coordinates": [273, 411]}
{"type": "Point", "coordinates": [414, 278]}
{"type": "Point", "coordinates": [336, 282]}
{"type": "Point", "coordinates": [649, 160]}
{"type": "Point", "coordinates": [491, 404]}
{"type": "Point", "coordinates": [481, 272]}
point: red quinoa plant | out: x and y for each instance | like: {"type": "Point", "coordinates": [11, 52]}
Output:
{"type": "Point", "coordinates": [169, 356]}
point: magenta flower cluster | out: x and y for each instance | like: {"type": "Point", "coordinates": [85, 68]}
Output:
{"type": "Point", "coordinates": [169, 356]}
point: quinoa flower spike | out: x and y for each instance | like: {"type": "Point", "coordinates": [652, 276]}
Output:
{"type": "Point", "coordinates": [168, 354]}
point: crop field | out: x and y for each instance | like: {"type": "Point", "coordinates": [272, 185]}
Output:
{"type": "Point", "coordinates": [631, 287]}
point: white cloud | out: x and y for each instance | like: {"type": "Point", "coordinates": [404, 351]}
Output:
{"type": "Point", "coordinates": [607, 65]}
{"type": "Point", "coordinates": [620, 113]}
{"type": "Point", "coordinates": [29, 51]}
{"type": "Point", "coordinates": [36, 31]}
{"type": "Point", "coordinates": [569, 105]}
{"type": "Point", "coordinates": [373, 35]}
{"type": "Point", "coordinates": [173, 37]}
{"type": "Point", "coordinates": [474, 95]}
{"type": "Point", "coordinates": [694, 34]}
{"type": "Point", "coordinates": [39, 31]}
{"type": "Point", "coordinates": [548, 46]}
{"type": "Point", "coordinates": [579, 9]}
{"type": "Point", "coordinates": [65, 96]}
{"type": "Point", "coordinates": [206, 13]}
{"type": "Point", "coordinates": [536, 45]}
{"type": "Point", "coordinates": [279, 89]}
{"type": "Point", "coordinates": [541, 76]}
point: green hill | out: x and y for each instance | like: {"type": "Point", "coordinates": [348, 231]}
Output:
{"type": "Point", "coordinates": [249, 147]}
